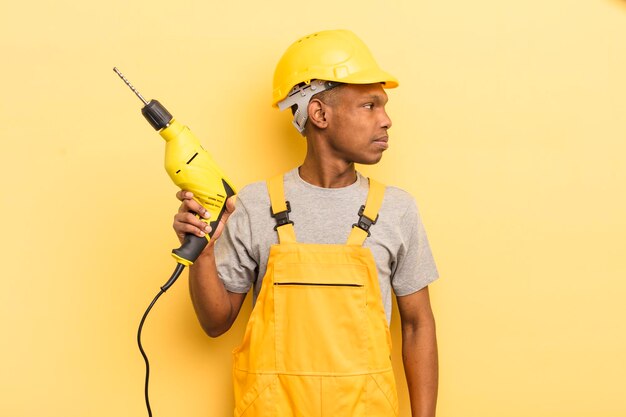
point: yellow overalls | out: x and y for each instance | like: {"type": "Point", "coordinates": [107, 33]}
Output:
{"type": "Point", "coordinates": [317, 343]}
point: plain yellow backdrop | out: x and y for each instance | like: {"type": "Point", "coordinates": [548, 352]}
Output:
{"type": "Point", "coordinates": [509, 129]}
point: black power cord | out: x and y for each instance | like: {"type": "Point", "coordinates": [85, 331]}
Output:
{"type": "Point", "coordinates": [179, 269]}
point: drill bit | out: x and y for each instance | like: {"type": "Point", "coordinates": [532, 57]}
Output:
{"type": "Point", "coordinates": [130, 85]}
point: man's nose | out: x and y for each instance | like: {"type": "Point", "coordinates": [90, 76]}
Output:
{"type": "Point", "coordinates": [386, 120]}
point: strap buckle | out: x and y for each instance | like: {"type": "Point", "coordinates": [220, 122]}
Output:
{"type": "Point", "coordinates": [365, 222]}
{"type": "Point", "coordinates": [282, 217]}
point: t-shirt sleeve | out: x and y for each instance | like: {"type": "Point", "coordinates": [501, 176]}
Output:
{"type": "Point", "coordinates": [415, 266]}
{"type": "Point", "coordinates": [236, 266]}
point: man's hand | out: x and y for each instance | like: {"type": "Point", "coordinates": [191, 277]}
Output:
{"type": "Point", "coordinates": [187, 220]}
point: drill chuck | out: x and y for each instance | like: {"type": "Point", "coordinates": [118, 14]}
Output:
{"type": "Point", "coordinates": [157, 115]}
{"type": "Point", "coordinates": [154, 112]}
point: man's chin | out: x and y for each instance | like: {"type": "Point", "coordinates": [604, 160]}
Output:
{"type": "Point", "coordinates": [372, 160]}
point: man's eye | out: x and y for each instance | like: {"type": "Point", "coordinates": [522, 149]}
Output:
{"type": "Point", "coordinates": [369, 106]}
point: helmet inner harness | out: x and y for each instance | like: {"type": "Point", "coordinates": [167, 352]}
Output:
{"type": "Point", "coordinates": [300, 96]}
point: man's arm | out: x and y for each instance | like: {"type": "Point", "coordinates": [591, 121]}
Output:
{"type": "Point", "coordinates": [215, 307]}
{"type": "Point", "coordinates": [419, 352]}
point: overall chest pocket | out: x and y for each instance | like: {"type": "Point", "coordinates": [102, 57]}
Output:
{"type": "Point", "coordinates": [321, 318]}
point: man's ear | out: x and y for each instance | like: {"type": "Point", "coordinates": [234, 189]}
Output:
{"type": "Point", "coordinates": [318, 113]}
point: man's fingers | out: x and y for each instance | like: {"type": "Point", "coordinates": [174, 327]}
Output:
{"type": "Point", "coordinates": [230, 204]}
{"type": "Point", "coordinates": [184, 195]}
{"type": "Point", "coordinates": [187, 220]}
{"type": "Point", "coordinates": [192, 206]}
{"type": "Point", "coordinates": [188, 223]}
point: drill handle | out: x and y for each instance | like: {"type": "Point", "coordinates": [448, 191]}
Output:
{"type": "Point", "coordinates": [188, 252]}
{"type": "Point", "coordinates": [192, 247]}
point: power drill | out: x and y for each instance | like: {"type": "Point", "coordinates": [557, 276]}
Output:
{"type": "Point", "coordinates": [191, 168]}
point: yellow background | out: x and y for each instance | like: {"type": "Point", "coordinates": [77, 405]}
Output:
{"type": "Point", "coordinates": [509, 129]}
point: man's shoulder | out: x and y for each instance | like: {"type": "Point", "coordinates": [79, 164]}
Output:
{"type": "Point", "coordinates": [398, 194]}
{"type": "Point", "coordinates": [253, 194]}
{"type": "Point", "coordinates": [398, 197]}
{"type": "Point", "coordinates": [398, 204]}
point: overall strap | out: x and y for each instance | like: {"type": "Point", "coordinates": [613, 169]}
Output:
{"type": "Point", "coordinates": [368, 214]}
{"type": "Point", "coordinates": [280, 210]}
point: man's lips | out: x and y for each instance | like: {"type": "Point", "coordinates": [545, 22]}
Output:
{"type": "Point", "coordinates": [382, 141]}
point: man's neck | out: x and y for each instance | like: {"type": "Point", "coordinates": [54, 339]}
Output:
{"type": "Point", "coordinates": [327, 175]}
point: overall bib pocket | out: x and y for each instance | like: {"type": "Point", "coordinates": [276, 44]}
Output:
{"type": "Point", "coordinates": [320, 319]}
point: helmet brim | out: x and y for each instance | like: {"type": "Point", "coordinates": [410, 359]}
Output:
{"type": "Point", "coordinates": [372, 76]}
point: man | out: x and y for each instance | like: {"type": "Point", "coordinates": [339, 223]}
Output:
{"type": "Point", "coordinates": [323, 248]}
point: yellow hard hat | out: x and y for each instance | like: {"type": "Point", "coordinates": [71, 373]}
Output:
{"type": "Point", "coordinates": [331, 55]}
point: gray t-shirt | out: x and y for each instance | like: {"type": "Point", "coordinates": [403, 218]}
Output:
{"type": "Point", "coordinates": [326, 215]}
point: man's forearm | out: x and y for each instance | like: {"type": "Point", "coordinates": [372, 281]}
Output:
{"type": "Point", "coordinates": [209, 296]}
{"type": "Point", "coordinates": [421, 367]}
